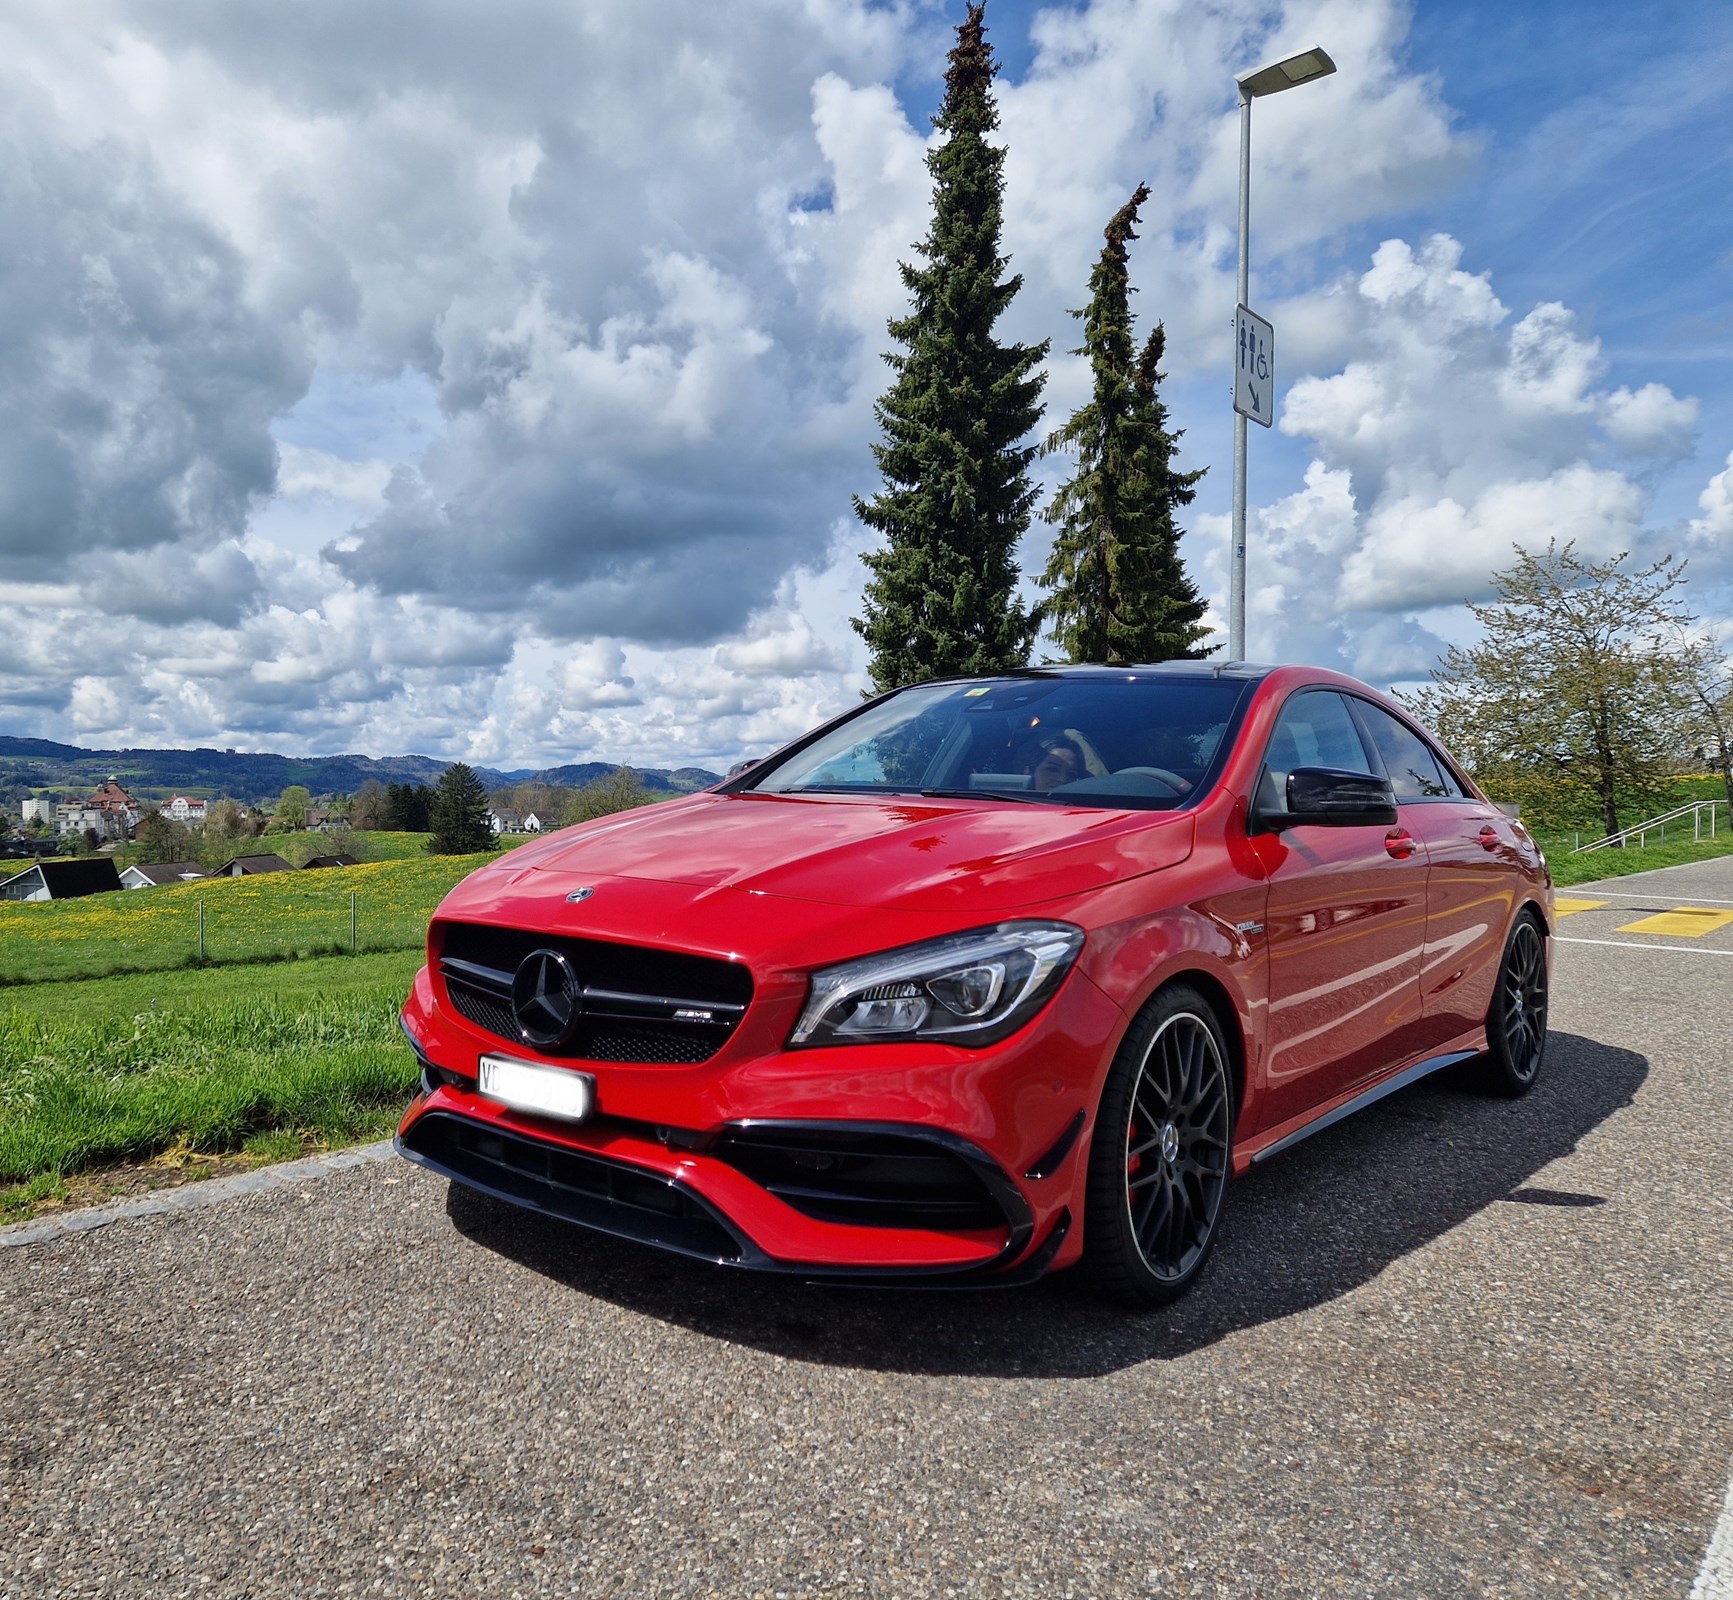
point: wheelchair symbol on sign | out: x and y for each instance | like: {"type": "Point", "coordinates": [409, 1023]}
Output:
{"type": "Point", "coordinates": [1254, 367]}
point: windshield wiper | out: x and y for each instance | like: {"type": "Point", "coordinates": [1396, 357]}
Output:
{"type": "Point", "coordinates": [1026, 797]}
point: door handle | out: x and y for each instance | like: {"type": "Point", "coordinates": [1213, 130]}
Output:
{"type": "Point", "coordinates": [1489, 839]}
{"type": "Point", "coordinates": [1399, 843]}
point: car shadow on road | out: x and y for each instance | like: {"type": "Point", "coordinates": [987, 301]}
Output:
{"type": "Point", "coordinates": [1311, 1225]}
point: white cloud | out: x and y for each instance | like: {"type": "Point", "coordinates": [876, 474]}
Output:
{"type": "Point", "coordinates": [593, 675]}
{"type": "Point", "coordinates": [630, 262]}
{"type": "Point", "coordinates": [1464, 439]}
{"type": "Point", "coordinates": [1418, 553]}
{"type": "Point", "coordinates": [1715, 526]}
{"type": "Point", "coordinates": [301, 471]}
{"type": "Point", "coordinates": [1650, 421]}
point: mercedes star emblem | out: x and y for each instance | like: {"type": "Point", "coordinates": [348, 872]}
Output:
{"type": "Point", "coordinates": [546, 999]}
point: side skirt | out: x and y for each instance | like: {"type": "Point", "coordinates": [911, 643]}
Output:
{"type": "Point", "coordinates": [1413, 1074]}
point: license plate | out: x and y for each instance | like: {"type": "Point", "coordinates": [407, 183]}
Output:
{"type": "Point", "coordinates": [545, 1091]}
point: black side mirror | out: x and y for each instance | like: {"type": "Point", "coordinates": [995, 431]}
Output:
{"type": "Point", "coordinates": [1324, 797]}
{"type": "Point", "coordinates": [744, 766]}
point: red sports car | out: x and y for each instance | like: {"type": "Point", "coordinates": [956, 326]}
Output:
{"type": "Point", "coordinates": [985, 978]}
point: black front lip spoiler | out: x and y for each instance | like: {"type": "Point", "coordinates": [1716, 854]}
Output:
{"type": "Point", "coordinates": [997, 1272]}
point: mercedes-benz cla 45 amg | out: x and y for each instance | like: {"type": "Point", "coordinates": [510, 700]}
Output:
{"type": "Point", "coordinates": [985, 978]}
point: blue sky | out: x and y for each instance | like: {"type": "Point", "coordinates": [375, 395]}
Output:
{"type": "Point", "coordinates": [1609, 155]}
{"type": "Point", "coordinates": [495, 385]}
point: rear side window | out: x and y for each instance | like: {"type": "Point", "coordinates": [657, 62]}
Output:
{"type": "Point", "coordinates": [1414, 771]}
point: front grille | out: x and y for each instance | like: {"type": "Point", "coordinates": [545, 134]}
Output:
{"type": "Point", "coordinates": [590, 1190]}
{"type": "Point", "coordinates": [650, 1007]}
{"type": "Point", "coordinates": [481, 1008]}
{"type": "Point", "coordinates": [864, 1177]}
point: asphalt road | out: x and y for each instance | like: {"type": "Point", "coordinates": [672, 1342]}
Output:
{"type": "Point", "coordinates": [1451, 1347]}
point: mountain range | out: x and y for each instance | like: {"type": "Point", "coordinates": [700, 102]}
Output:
{"type": "Point", "coordinates": [34, 764]}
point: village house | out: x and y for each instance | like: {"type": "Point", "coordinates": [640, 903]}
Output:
{"type": "Point", "coordinates": [111, 813]}
{"type": "Point", "coordinates": [114, 800]}
{"type": "Point", "coordinates": [251, 866]}
{"type": "Point", "coordinates": [74, 816]}
{"type": "Point", "coordinates": [183, 808]}
{"type": "Point", "coordinates": [62, 879]}
{"type": "Point", "coordinates": [152, 874]}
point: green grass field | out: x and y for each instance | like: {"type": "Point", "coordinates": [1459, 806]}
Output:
{"type": "Point", "coordinates": [258, 1058]}
{"type": "Point", "coordinates": [277, 916]}
{"type": "Point", "coordinates": [299, 843]}
{"type": "Point", "coordinates": [206, 989]}
{"type": "Point", "coordinates": [114, 1049]}
{"type": "Point", "coordinates": [393, 846]}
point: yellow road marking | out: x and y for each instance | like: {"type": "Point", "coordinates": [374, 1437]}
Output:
{"type": "Point", "coordinates": [1568, 905]}
{"type": "Point", "coordinates": [1685, 922]}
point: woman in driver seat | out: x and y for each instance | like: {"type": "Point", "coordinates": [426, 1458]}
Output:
{"type": "Point", "coordinates": [1053, 763]}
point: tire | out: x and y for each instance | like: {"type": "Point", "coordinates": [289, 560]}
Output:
{"type": "Point", "coordinates": [1516, 1019]}
{"type": "Point", "coordinates": [1160, 1156]}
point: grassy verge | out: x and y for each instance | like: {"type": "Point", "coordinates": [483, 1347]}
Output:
{"type": "Point", "coordinates": [266, 1063]}
{"type": "Point", "coordinates": [1568, 869]}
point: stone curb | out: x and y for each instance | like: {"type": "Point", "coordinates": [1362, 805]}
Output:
{"type": "Point", "coordinates": [193, 1196]}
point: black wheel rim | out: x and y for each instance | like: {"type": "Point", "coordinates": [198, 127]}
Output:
{"type": "Point", "coordinates": [1523, 988]}
{"type": "Point", "coordinates": [1176, 1146]}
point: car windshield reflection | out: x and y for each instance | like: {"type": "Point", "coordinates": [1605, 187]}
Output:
{"type": "Point", "coordinates": [1141, 741]}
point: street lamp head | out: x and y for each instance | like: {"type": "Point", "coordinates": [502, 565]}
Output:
{"type": "Point", "coordinates": [1309, 64]}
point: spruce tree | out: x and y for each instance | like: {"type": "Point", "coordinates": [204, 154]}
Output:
{"type": "Point", "coordinates": [1120, 593]}
{"type": "Point", "coordinates": [942, 595]}
{"type": "Point", "coordinates": [1166, 614]}
{"type": "Point", "coordinates": [460, 814]}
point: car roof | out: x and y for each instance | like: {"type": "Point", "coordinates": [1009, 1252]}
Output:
{"type": "Point", "coordinates": [1240, 671]}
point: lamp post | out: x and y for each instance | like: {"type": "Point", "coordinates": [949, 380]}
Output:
{"type": "Point", "coordinates": [1266, 80]}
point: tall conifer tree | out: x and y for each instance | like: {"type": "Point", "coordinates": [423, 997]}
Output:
{"type": "Point", "coordinates": [1119, 590]}
{"type": "Point", "coordinates": [461, 824]}
{"type": "Point", "coordinates": [942, 597]}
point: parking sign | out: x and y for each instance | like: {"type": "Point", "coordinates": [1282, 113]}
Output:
{"type": "Point", "coordinates": [1254, 367]}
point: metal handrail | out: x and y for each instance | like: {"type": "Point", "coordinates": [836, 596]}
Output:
{"type": "Point", "coordinates": [1639, 831]}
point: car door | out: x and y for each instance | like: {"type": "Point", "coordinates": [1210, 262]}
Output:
{"type": "Point", "coordinates": [1345, 924]}
{"type": "Point", "coordinates": [1471, 878]}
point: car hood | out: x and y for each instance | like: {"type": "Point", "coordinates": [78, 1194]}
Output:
{"type": "Point", "coordinates": [918, 855]}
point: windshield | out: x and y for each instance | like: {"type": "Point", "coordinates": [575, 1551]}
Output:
{"type": "Point", "coordinates": [1141, 741]}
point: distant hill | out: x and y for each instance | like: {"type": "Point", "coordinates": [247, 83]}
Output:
{"type": "Point", "coordinates": [255, 776]}
{"type": "Point", "coordinates": [682, 780]}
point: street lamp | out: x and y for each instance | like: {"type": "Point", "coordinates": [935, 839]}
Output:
{"type": "Point", "coordinates": [1295, 70]}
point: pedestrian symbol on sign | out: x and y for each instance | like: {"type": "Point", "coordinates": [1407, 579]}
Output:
{"type": "Point", "coordinates": [1254, 367]}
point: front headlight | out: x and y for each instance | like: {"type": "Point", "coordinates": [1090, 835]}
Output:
{"type": "Point", "coordinates": [968, 988]}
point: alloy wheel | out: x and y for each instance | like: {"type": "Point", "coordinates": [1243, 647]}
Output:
{"type": "Point", "coordinates": [1176, 1146]}
{"type": "Point", "coordinates": [1523, 991]}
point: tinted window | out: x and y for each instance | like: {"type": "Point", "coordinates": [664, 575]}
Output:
{"type": "Point", "coordinates": [1314, 730]}
{"type": "Point", "coordinates": [1140, 740]}
{"type": "Point", "coordinates": [1412, 768]}
{"type": "Point", "coordinates": [1452, 785]}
